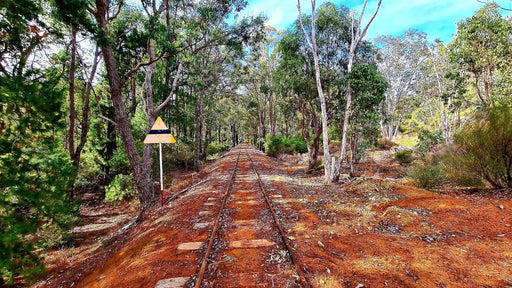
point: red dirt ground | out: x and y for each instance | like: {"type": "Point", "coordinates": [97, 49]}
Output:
{"type": "Point", "coordinates": [369, 231]}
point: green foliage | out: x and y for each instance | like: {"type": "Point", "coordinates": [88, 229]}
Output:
{"type": "Point", "coordinates": [276, 145]}
{"type": "Point", "coordinates": [35, 174]}
{"type": "Point", "coordinates": [368, 91]}
{"type": "Point", "coordinates": [458, 176]}
{"type": "Point", "coordinates": [121, 187]}
{"type": "Point", "coordinates": [90, 169]}
{"type": "Point", "coordinates": [485, 149]}
{"type": "Point", "coordinates": [216, 147]}
{"type": "Point", "coordinates": [426, 176]}
{"type": "Point", "coordinates": [404, 157]}
{"type": "Point", "coordinates": [482, 49]}
{"type": "Point", "coordinates": [183, 156]}
{"type": "Point", "coordinates": [427, 140]}
{"type": "Point", "coordinates": [385, 144]}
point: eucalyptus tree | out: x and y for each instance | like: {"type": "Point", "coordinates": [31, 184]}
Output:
{"type": "Point", "coordinates": [296, 74]}
{"type": "Point", "coordinates": [403, 64]}
{"type": "Point", "coordinates": [443, 101]}
{"type": "Point", "coordinates": [310, 37]}
{"type": "Point", "coordinates": [335, 39]}
{"type": "Point", "coordinates": [482, 49]}
{"type": "Point", "coordinates": [368, 90]}
{"type": "Point", "coordinates": [357, 34]}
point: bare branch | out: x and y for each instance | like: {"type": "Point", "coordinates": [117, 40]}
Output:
{"type": "Point", "coordinates": [173, 90]}
{"type": "Point", "coordinates": [494, 3]}
{"type": "Point", "coordinates": [137, 68]}
{"type": "Point", "coordinates": [360, 35]}
{"type": "Point", "coordinates": [120, 6]}
{"type": "Point", "coordinates": [302, 26]}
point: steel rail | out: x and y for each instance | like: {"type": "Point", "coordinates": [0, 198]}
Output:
{"type": "Point", "coordinates": [303, 279]}
{"type": "Point", "coordinates": [204, 263]}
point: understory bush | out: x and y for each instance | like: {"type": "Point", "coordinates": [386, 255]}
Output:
{"type": "Point", "coordinates": [426, 176]}
{"type": "Point", "coordinates": [275, 145]}
{"type": "Point", "coordinates": [484, 148]}
{"type": "Point", "coordinates": [404, 157]}
{"type": "Point", "coordinates": [121, 187]}
{"type": "Point", "coordinates": [183, 154]}
{"type": "Point", "coordinates": [385, 143]}
{"type": "Point", "coordinates": [216, 147]}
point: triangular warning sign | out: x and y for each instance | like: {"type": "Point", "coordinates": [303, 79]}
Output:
{"type": "Point", "coordinates": [159, 133]}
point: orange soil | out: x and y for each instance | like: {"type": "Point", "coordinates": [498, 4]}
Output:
{"type": "Point", "coordinates": [367, 232]}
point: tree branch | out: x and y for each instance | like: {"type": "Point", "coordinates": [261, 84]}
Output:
{"type": "Point", "coordinates": [302, 25]}
{"type": "Point", "coordinates": [173, 90]}
{"type": "Point", "coordinates": [361, 36]}
{"type": "Point", "coordinates": [137, 68]}
{"type": "Point", "coordinates": [100, 114]}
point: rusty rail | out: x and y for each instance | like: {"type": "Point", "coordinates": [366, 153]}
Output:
{"type": "Point", "coordinates": [303, 279]}
{"type": "Point", "coordinates": [204, 263]}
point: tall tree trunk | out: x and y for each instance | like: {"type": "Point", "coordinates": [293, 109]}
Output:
{"type": "Point", "coordinates": [141, 169]}
{"type": "Point", "coordinates": [271, 116]}
{"type": "Point", "coordinates": [85, 110]}
{"type": "Point", "coordinates": [323, 105]}
{"type": "Point", "coordinates": [199, 128]}
{"type": "Point", "coordinates": [356, 37]}
{"type": "Point", "coordinates": [71, 82]}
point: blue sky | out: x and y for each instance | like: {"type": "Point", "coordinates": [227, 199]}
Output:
{"type": "Point", "coordinates": [438, 18]}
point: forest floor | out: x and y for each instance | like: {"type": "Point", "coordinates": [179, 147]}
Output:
{"type": "Point", "coordinates": [373, 230]}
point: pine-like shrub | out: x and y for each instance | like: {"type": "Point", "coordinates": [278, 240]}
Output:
{"type": "Point", "coordinates": [426, 176]}
{"type": "Point", "coordinates": [484, 148]}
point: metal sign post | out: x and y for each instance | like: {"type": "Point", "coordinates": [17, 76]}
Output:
{"type": "Point", "coordinates": [161, 169]}
{"type": "Point", "coordinates": [159, 133]}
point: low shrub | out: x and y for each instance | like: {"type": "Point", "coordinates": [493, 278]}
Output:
{"type": "Point", "coordinates": [121, 187]}
{"type": "Point", "coordinates": [427, 140]}
{"type": "Point", "coordinates": [484, 147]}
{"type": "Point", "coordinates": [404, 157]}
{"type": "Point", "coordinates": [275, 145]}
{"type": "Point", "coordinates": [426, 176]}
{"type": "Point", "coordinates": [216, 147]}
{"type": "Point", "coordinates": [385, 144]}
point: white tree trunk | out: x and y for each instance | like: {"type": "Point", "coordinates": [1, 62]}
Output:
{"type": "Point", "coordinates": [321, 96]}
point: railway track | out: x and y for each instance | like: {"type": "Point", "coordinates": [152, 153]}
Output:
{"type": "Point", "coordinates": [247, 246]}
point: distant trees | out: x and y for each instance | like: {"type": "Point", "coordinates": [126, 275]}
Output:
{"type": "Point", "coordinates": [131, 49]}
{"type": "Point", "coordinates": [403, 62]}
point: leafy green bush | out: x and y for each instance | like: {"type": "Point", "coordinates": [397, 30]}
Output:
{"type": "Point", "coordinates": [485, 147]}
{"type": "Point", "coordinates": [298, 143]}
{"type": "Point", "coordinates": [426, 176]}
{"type": "Point", "coordinates": [90, 169]}
{"type": "Point", "coordinates": [183, 155]}
{"type": "Point", "coordinates": [276, 145]}
{"type": "Point", "coordinates": [404, 157]}
{"type": "Point", "coordinates": [427, 140]}
{"type": "Point", "coordinates": [216, 147]}
{"type": "Point", "coordinates": [121, 187]}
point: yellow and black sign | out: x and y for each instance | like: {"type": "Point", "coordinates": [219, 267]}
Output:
{"type": "Point", "coordinates": [159, 133]}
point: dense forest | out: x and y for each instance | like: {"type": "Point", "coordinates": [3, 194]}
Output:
{"type": "Point", "coordinates": [82, 82]}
